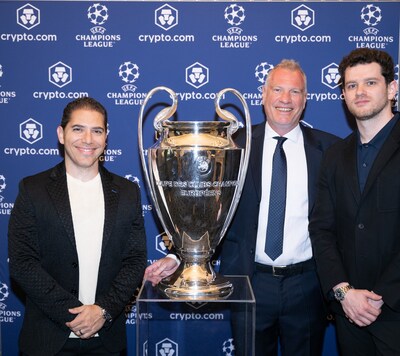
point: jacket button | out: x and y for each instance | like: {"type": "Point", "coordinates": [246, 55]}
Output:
{"type": "Point", "coordinates": [361, 226]}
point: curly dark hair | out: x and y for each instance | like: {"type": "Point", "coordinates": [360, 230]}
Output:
{"type": "Point", "coordinates": [366, 56]}
{"type": "Point", "coordinates": [83, 103]}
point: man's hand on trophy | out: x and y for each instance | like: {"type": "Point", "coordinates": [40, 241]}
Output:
{"type": "Point", "coordinates": [160, 269]}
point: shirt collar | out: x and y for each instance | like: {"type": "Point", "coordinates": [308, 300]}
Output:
{"type": "Point", "coordinates": [294, 135]}
{"type": "Point", "coordinates": [380, 137]}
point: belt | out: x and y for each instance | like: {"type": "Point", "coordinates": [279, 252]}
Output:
{"type": "Point", "coordinates": [289, 270]}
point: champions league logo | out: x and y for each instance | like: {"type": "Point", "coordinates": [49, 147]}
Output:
{"type": "Point", "coordinates": [261, 73]}
{"type": "Point", "coordinates": [98, 15]}
{"type": "Point", "coordinates": [5, 209]}
{"type": "Point", "coordinates": [6, 95]}
{"type": "Point", "coordinates": [6, 316]}
{"type": "Point", "coordinates": [128, 72]}
{"type": "Point", "coordinates": [235, 15]}
{"type": "Point", "coordinates": [371, 16]}
{"type": "Point", "coordinates": [228, 347]}
{"type": "Point", "coordinates": [2, 183]}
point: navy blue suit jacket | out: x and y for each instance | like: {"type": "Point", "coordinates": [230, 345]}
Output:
{"type": "Point", "coordinates": [238, 247]}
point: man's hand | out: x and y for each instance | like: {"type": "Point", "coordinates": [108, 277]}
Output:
{"type": "Point", "coordinates": [160, 269]}
{"type": "Point", "coordinates": [88, 321]}
{"type": "Point", "coordinates": [362, 306]}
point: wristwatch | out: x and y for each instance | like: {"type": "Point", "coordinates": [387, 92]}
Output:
{"type": "Point", "coordinates": [106, 315]}
{"type": "Point", "coordinates": [340, 292]}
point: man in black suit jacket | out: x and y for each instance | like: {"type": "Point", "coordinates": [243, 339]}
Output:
{"type": "Point", "coordinates": [77, 245]}
{"type": "Point", "coordinates": [289, 302]}
{"type": "Point", "coordinates": [355, 229]}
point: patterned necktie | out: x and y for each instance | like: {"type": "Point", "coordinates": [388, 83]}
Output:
{"type": "Point", "coordinates": [277, 202]}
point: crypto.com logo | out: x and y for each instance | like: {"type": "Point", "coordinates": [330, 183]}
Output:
{"type": "Point", "coordinates": [166, 17]}
{"type": "Point", "coordinates": [303, 17]}
{"type": "Point", "coordinates": [31, 131]}
{"type": "Point", "coordinates": [330, 76]}
{"type": "Point", "coordinates": [163, 244]}
{"type": "Point", "coordinates": [28, 16]}
{"type": "Point", "coordinates": [167, 347]}
{"type": "Point", "coordinates": [60, 74]}
{"type": "Point", "coordinates": [197, 75]}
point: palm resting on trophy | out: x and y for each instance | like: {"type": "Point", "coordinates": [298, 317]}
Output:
{"type": "Point", "coordinates": [195, 173]}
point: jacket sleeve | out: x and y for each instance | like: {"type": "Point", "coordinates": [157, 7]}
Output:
{"type": "Point", "coordinates": [25, 263]}
{"type": "Point", "coordinates": [323, 230]}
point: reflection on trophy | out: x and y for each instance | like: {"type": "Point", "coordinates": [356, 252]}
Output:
{"type": "Point", "coordinates": [195, 173]}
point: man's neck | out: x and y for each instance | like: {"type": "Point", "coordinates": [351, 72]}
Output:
{"type": "Point", "coordinates": [369, 128]}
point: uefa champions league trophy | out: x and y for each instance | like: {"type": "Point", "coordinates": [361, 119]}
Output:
{"type": "Point", "coordinates": [195, 175]}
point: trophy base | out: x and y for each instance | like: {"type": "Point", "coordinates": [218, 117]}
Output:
{"type": "Point", "coordinates": [184, 284]}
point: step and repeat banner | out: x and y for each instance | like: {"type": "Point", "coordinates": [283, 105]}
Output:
{"type": "Point", "coordinates": [52, 52]}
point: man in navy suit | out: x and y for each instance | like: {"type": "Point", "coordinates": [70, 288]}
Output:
{"type": "Point", "coordinates": [290, 309]}
{"type": "Point", "coordinates": [355, 229]}
{"type": "Point", "coordinates": [77, 245]}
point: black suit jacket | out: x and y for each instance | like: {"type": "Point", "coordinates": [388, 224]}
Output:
{"type": "Point", "coordinates": [44, 260]}
{"type": "Point", "coordinates": [356, 235]}
{"type": "Point", "coordinates": [238, 248]}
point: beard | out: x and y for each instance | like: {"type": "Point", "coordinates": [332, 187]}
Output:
{"type": "Point", "coordinates": [364, 115]}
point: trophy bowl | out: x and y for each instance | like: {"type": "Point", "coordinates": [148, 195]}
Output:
{"type": "Point", "coordinates": [195, 174]}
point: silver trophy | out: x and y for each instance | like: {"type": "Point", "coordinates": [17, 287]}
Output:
{"type": "Point", "coordinates": [195, 174]}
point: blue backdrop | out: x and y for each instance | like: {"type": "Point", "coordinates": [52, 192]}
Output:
{"type": "Point", "coordinates": [116, 51]}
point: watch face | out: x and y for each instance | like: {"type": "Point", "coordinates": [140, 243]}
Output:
{"type": "Point", "coordinates": [339, 295]}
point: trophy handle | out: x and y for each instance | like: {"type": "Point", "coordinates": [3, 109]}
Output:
{"type": "Point", "coordinates": [162, 116]}
{"type": "Point", "coordinates": [244, 160]}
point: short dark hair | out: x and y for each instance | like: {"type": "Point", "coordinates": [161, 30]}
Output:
{"type": "Point", "coordinates": [83, 103]}
{"type": "Point", "coordinates": [366, 56]}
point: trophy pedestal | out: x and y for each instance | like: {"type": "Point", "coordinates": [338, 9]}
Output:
{"type": "Point", "coordinates": [196, 326]}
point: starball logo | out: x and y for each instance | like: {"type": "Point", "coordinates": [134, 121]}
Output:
{"type": "Point", "coordinates": [98, 15]}
{"type": "Point", "coordinates": [371, 16]}
{"type": "Point", "coordinates": [28, 17]}
{"type": "Point", "coordinates": [128, 74]}
{"type": "Point", "coordinates": [6, 316]}
{"type": "Point", "coordinates": [5, 95]}
{"type": "Point", "coordinates": [260, 74]}
{"type": "Point", "coordinates": [5, 207]}
{"type": "Point", "coordinates": [235, 16]}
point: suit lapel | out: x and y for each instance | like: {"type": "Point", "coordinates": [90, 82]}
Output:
{"type": "Point", "coordinates": [257, 146]}
{"type": "Point", "coordinates": [58, 192]}
{"type": "Point", "coordinates": [111, 198]}
{"type": "Point", "coordinates": [313, 153]}
{"type": "Point", "coordinates": [349, 160]}
{"type": "Point", "coordinates": [390, 146]}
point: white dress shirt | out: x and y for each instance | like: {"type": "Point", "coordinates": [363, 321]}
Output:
{"type": "Point", "coordinates": [296, 240]}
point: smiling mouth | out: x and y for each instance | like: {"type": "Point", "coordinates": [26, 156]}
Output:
{"type": "Point", "coordinates": [283, 109]}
